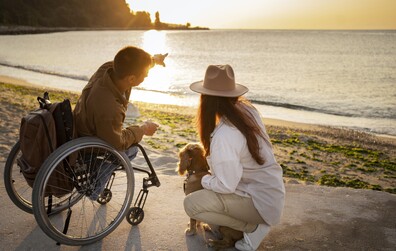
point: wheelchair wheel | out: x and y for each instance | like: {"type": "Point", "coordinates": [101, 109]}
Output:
{"type": "Point", "coordinates": [18, 189]}
{"type": "Point", "coordinates": [91, 164]}
{"type": "Point", "coordinates": [15, 184]}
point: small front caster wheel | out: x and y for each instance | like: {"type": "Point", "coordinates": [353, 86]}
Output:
{"type": "Point", "coordinates": [105, 196]}
{"type": "Point", "coordinates": [135, 215]}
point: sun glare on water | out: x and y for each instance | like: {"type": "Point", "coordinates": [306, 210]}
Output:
{"type": "Point", "coordinates": [154, 41]}
{"type": "Point", "coordinates": [159, 80]}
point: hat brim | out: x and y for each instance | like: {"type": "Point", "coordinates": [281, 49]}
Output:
{"type": "Point", "coordinates": [238, 91]}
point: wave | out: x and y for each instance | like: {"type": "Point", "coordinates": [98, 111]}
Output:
{"type": "Point", "coordinates": [183, 94]}
{"type": "Point", "coordinates": [320, 110]}
{"type": "Point", "coordinates": [298, 107]}
{"type": "Point", "coordinates": [83, 78]}
{"type": "Point", "coordinates": [26, 68]}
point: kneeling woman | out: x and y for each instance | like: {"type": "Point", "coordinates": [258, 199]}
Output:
{"type": "Point", "coordinates": [245, 190]}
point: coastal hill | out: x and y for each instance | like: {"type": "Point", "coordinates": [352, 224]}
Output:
{"type": "Point", "coordinates": [42, 15]}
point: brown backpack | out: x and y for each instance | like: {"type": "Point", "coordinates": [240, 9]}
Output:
{"type": "Point", "coordinates": [41, 132]}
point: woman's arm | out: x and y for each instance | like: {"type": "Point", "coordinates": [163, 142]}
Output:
{"type": "Point", "coordinates": [224, 161]}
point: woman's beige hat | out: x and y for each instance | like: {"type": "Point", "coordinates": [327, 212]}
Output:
{"type": "Point", "coordinates": [219, 81]}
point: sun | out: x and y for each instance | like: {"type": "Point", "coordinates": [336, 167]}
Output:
{"type": "Point", "coordinates": [158, 79]}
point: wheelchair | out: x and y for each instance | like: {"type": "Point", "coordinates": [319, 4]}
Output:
{"type": "Point", "coordinates": [77, 216]}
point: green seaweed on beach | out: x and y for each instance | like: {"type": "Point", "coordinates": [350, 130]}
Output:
{"type": "Point", "coordinates": [309, 155]}
{"type": "Point", "coordinates": [301, 174]}
{"type": "Point", "coordinates": [340, 162]}
{"type": "Point", "coordinates": [337, 181]}
{"type": "Point", "coordinates": [26, 97]}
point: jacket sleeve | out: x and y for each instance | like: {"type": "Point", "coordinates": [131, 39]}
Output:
{"type": "Point", "coordinates": [109, 127]}
{"type": "Point", "coordinates": [136, 132]}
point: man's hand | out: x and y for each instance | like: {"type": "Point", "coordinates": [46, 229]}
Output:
{"type": "Point", "coordinates": [159, 59]}
{"type": "Point", "coordinates": [149, 128]}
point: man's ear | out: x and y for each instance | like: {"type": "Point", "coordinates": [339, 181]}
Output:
{"type": "Point", "coordinates": [131, 79]}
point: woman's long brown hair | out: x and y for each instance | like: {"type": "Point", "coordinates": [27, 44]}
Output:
{"type": "Point", "coordinates": [212, 108]}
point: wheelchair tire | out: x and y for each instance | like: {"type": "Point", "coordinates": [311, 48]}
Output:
{"type": "Point", "coordinates": [15, 184]}
{"type": "Point", "coordinates": [84, 220]}
{"type": "Point", "coordinates": [135, 215]}
{"type": "Point", "coordinates": [105, 197]}
{"type": "Point", "coordinates": [18, 189]}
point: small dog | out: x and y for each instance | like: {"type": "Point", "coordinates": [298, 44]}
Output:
{"type": "Point", "coordinates": [193, 161]}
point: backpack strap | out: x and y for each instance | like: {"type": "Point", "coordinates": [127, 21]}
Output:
{"type": "Point", "coordinates": [46, 129]}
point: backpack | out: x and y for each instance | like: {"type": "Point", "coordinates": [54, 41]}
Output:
{"type": "Point", "coordinates": [41, 132]}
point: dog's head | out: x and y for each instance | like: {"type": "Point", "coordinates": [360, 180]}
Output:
{"type": "Point", "coordinates": [192, 159]}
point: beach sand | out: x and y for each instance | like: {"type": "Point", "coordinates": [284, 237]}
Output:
{"type": "Point", "coordinates": [312, 157]}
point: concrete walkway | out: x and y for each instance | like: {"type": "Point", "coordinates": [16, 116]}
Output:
{"type": "Point", "coordinates": [315, 218]}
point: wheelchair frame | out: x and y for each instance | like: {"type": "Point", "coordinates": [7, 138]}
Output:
{"type": "Point", "coordinates": [93, 219]}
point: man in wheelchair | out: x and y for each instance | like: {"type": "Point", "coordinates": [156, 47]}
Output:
{"type": "Point", "coordinates": [95, 165]}
{"type": "Point", "coordinates": [101, 108]}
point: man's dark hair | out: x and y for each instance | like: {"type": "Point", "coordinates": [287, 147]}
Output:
{"type": "Point", "coordinates": [131, 61]}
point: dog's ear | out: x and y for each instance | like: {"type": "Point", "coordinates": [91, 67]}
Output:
{"type": "Point", "coordinates": [184, 162]}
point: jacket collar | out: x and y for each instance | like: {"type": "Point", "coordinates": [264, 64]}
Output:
{"type": "Point", "coordinates": [120, 97]}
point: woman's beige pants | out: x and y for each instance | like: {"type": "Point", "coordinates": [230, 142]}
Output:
{"type": "Point", "coordinates": [229, 210]}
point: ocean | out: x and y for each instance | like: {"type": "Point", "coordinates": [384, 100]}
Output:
{"type": "Point", "coordinates": [334, 78]}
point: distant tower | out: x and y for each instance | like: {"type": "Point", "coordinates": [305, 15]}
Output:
{"type": "Point", "coordinates": [157, 22]}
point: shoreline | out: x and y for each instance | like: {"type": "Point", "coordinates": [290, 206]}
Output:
{"type": "Point", "coordinates": [26, 30]}
{"type": "Point", "coordinates": [192, 109]}
{"type": "Point", "coordinates": [186, 109]}
{"type": "Point", "coordinates": [380, 126]}
{"type": "Point", "coordinates": [309, 154]}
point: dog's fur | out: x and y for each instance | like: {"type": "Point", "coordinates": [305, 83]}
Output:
{"type": "Point", "coordinates": [193, 162]}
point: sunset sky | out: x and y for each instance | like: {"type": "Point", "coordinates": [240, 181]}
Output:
{"type": "Point", "coordinates": [274, 14]}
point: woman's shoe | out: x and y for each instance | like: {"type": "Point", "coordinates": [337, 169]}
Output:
{"type": "Point", "coordinates": [251, 241]}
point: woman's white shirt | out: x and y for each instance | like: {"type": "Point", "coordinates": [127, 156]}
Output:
{"type": "Point", "coordinates": [233, 169]}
